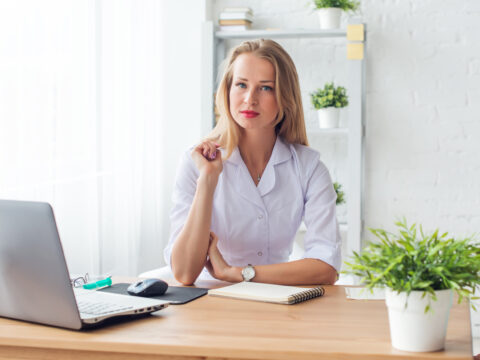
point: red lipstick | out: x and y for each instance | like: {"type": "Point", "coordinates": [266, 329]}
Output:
{"type": "Point", "coordinates": [249, 113]}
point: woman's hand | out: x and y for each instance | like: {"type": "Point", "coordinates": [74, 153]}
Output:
{"type": "Point", "coordinates": [208, 158]}
{"type": "Point", "coordinates": [217, 266]}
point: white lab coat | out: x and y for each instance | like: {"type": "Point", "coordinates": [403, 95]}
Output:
{"type": "Point", "coordinates": [257, 224]}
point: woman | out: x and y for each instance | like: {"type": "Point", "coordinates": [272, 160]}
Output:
{"type": "Point", "coordinates": [240, 195]}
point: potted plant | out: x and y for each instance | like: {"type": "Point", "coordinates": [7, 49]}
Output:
{"type": "Point", "coordinates": [328, 102]}
{"type": "Point", "coordinates": [340, 194]}
{"type": "Point", "coordinates": [329, 11]}
{"type": "Point", "coordinates": [420, 273]}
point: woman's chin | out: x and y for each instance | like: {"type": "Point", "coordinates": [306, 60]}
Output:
{"type": "Point", "coordinates": [246, 124]}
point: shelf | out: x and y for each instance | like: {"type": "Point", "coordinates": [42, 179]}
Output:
{"type": "Point", "coordinates": [281, 33]}
{"type": "Point", "coordinates": [316, 130]}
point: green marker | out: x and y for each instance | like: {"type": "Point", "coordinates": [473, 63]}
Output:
{"type": "Point", "coordinates": [98, 284]}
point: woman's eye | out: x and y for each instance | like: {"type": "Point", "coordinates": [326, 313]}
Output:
{"type": "Point", "coordinates": [267, 88]}
{"type": "Point", "coordinates": [241, 85]}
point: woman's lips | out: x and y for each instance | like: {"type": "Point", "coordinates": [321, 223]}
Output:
{"type": "Point", "coordinates": [249, 114]}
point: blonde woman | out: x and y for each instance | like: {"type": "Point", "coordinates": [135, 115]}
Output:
{"type": "Point", "coordinates": [241, 194]}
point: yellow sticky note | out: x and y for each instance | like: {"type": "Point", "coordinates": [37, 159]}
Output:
{"type": "Point", "coordinates": [355, 51]}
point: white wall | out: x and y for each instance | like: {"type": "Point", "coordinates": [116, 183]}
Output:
{"type": "Point", "coordinates": [423, 113]}
{"type": "Point", "coordinates": [182, 74]}
{"type": "Point", "coordinates": [423, 104]}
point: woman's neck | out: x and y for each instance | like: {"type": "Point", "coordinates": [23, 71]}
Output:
{"type": "Point", "coordinates": [256, 150]}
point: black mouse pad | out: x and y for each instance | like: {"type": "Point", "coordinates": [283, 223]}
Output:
{"type": "Point", "coordinates": [175, 294]}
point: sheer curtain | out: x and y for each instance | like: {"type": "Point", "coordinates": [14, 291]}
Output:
{"type": "Point", "coordinates": [81, 125]}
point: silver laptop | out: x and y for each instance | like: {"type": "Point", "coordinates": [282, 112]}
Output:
{"type": "Point", "coordinates": [34, 279]}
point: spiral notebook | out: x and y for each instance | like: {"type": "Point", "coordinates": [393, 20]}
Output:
{"type": "Point", "coordinates": [279, 294]}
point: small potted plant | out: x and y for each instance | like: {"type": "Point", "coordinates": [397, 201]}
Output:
{"type": "Point", "coordinates": [340, 194]}
{"type": "Point", "coordinates": [328, 102]}
{"type": "Point", "coordinates": [330, 11]}
{"type": "Point", "coordinates": [420, 272]}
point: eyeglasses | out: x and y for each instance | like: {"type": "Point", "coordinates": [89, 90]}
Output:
{"type": "Point", "coordinates": [80, 280]}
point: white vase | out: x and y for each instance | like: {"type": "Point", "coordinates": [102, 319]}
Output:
{"type": "Point", "coordinates": [411, 329]}
{"type": "Point", "coordinates": [328, 117]}
{"type": "Point", "coordinates": [329, 18]}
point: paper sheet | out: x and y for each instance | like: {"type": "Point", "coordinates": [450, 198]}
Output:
{"type": "Point", "coordinates": [362, 293]}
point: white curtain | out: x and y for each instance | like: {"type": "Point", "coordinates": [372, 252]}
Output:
{"type": "Point", "coordinates": [81, 125]}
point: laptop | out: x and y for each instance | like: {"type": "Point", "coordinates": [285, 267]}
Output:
{"type": "Point", "coordinates": [34, 279]}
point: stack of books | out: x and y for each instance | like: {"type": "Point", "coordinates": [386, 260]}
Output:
{"type": "Point", "coordinates": [235, 19]}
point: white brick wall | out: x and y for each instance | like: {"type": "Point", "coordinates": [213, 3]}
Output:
{"type": "Point", "coordinates": [423, 104]}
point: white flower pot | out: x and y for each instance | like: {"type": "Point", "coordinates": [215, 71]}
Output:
{"type": "Point", "coordinates": [328, 117]}
{"type": "Point", "coordinates": [411, 329]}
{"type": "Point", "coordinates": [329, 18]}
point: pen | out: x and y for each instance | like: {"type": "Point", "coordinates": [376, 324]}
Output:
{"type": "Point", "coordinates": [98, 284]}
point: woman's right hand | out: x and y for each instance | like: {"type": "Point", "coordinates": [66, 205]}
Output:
{"type": "Point", "coordinates": [208, 159]}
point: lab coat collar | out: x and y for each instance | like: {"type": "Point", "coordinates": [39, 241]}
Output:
{"type": "Point", "coordinates": [244, 184]}
{"type": "Point", "coordinates": [281, 152]}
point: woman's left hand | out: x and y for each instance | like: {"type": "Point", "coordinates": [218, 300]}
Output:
{"type": "Point", "coordinates": [217, 266]}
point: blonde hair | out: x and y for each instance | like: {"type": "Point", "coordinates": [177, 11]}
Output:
{"type": "Point", "coordinates": [290, 122]}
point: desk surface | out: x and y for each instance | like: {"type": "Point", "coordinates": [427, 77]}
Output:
{"type": "Point", "coordinates": [211, 327]}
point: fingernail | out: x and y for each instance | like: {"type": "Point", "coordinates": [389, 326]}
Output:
{"type": "Point", "coordinates": [213, 155]}
{"type": "Point", "coordinates": [217, 145]}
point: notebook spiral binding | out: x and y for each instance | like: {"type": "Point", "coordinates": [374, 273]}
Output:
{"type": "Point", "coordinates": [308, 294]}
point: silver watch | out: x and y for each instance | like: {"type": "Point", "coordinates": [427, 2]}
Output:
{"type": "Point", "coordinates": [248, 272]}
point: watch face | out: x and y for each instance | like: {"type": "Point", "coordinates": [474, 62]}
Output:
{"type": "Point", "coordinates": [248, 273]}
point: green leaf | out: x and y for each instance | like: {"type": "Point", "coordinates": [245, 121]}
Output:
{"type": "Point", "coordinates": [329, 96]}
{"type": "Point", "coordinates": [411, 259]}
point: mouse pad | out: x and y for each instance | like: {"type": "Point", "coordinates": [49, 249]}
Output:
{"type": "Point", "coordinates": [175, 294]}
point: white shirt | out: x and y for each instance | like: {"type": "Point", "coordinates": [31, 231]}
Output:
{"type": "Point", "coordinates": [257, 224]}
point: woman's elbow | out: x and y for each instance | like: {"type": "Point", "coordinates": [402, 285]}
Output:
{"type": "Point", "coordinates": [185, 281]}
{"type": "Point", "coordinates": [327, 275]}
{"type": "Point", "coordinates": [330, 277]}
{"type": "Point", "coordinates": [184, 277]}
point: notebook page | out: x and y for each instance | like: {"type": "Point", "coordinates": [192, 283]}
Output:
{"type": "Point", "coordinates": [259, 291]}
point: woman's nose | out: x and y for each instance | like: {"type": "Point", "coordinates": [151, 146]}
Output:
{"type": "Point", "coordinates": [250, 97]}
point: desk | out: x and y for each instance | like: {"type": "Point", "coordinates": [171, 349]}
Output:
{"type": "Point", "coordinates": [330, 327]}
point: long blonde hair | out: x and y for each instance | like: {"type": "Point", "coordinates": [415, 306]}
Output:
{"type": "Point", "coordinates": [290, 122]}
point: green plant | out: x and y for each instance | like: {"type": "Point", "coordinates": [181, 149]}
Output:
{"type": "Point", "coordinates": [345, 5]}
{"type": "Point", "coordinates": [412, 260]}
{"type": "Point", "coordinates": [329, 96]}
{"type": "Point", "coordinates": [340, 194]}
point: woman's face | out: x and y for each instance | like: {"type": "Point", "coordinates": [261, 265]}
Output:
{"type": "Point", "coordinates": [253, 104]}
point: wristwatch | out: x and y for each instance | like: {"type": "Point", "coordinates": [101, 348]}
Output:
{"type": "Point", "coordinates": [248, 272]}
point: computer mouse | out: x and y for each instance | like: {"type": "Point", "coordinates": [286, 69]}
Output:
{"type": "Point", "coordinates": [148, 287]}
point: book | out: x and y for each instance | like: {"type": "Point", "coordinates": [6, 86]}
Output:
{"type": "Point", "coordinates": [236, 16]}
{"type": "Point", "coordinates": [234, 22]}
{"type": "Point", "coordinates": [278, 294]}
{"type": "Point", "coordinates": [234, 27]}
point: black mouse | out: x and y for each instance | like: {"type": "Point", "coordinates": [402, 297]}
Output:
{"type": "Point", "coordinates": [148, 287]}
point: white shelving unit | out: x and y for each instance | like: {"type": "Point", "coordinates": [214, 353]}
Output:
{"type": "Point", "coordinates": [215, 51]}
{"type": "Point", "coordinates": [277, 34]}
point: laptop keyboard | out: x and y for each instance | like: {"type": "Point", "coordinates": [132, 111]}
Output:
{"type": "Point", "coordinates": [100, 308]}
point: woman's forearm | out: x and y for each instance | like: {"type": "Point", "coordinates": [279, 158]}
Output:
{"type": "Point", "coordinates": [189, 252]}
{"type": "Point", "coordinates": [298, 272]}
